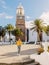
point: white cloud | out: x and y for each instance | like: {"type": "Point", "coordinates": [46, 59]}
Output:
{"type": "Point", "coordinates": [45, 17]}
{"type": "Point", "coordinates": [3, 4]}
{"type": "Point", "coordinates": [27, 17]}
{"type": "Point", "coordinates": [3, 1]}
{"type": "Point", "coordinates": [2, 15]}
{"type": "Point", "coordinates": [5, 16]}
{"type": "Point", "coordinates": [8, 17]}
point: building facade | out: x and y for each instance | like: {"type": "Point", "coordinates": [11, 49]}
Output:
{"type": "Point", "coordinates": [20, 23]}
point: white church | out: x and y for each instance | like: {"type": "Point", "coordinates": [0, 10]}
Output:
{"type": "Point", "coordinates": [32, 36]}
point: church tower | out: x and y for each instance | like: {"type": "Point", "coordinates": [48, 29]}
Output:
{"type": "Point", "coordinates": [20, 20]}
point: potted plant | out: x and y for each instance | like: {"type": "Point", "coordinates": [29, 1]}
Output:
{"type": "Point", "coordinates": [40, 50]}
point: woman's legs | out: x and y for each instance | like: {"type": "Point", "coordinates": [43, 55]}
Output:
{"type": "Point", "coordinates": [19, 48]}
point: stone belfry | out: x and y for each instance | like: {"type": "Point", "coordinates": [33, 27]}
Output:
{"type": "Point", "coordinates": [20, 20]}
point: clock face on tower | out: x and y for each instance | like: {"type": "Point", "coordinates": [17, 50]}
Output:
{"type": "Point", "coordinates": [20, 17]}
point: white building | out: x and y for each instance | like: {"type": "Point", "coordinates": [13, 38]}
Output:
{"type": "Point", "coordinates": [33, 35]}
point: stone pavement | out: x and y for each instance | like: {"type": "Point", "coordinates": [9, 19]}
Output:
{"type": "Point", "coordinates": [8, 53]}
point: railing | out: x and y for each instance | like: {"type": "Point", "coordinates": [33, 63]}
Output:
{"type": "Point", "coordinates": [7, 43]}
{"type": "Point", "coordinates": [13, 42]}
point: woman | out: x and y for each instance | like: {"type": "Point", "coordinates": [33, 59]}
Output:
{"type": "Point", "coordinates": [19, 43]}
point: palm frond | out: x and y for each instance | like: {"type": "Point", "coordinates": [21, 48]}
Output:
{"type": "Point", "coordinates": [32, 28]}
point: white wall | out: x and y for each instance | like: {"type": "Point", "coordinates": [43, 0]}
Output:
{"type": "Point", "coordinates": [44, 38]}
{"type": "Point", "coordinates": [33, 36]}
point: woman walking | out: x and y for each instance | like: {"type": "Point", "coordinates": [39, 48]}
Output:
{"type": "Point", "coordinates": [19, 43]}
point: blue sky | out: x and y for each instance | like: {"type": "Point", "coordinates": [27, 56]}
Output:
{"type": "Point", "coordinates": [33, 9]}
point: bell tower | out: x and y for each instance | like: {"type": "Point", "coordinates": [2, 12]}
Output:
{"type": "Point", "coordinates": [20, 20]}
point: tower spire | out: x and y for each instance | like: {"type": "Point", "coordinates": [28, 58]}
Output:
{"type": "Point", "coordinates": [20, 10]}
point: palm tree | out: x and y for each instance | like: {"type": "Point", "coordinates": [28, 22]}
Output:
{"type": "Point", "coordinates": [9, 28]}
{"type": "Point", "coordinates": [38, 27]}
{"type": "Point", "coordinates": [17, 33]}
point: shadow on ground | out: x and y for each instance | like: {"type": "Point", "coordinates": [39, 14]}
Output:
{"type": "Point", "coordinates": [25, 52]}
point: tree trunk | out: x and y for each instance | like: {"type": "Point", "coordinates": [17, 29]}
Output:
{"type": "Point", "coordinates": [9, 37]}
{"type": "Point", "coordinates": [38, 39]}
{"type": "Point", "coordinates": [40, 36]}
{"type": "Point", "coordinates": [0, 38]}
